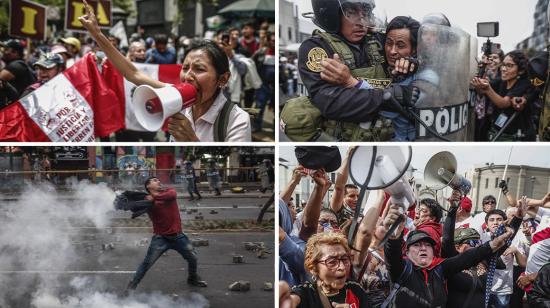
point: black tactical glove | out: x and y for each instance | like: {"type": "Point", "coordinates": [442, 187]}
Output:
{"type": "Point", "coordinates": [504, 186]}
{"type": "Point", "coordinates": [401, 99]}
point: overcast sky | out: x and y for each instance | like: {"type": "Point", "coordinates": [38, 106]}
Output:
{"type": "Point", "coordinates": [515, 17]}
{"type": "Point", "coordinates": [467, 156]}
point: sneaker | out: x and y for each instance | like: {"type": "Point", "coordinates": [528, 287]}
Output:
{"type": "Point", "coordinates": [197, 282]}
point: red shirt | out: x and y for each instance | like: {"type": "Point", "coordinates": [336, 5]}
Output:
{"type": "Point", "coordinates": [165, 213]}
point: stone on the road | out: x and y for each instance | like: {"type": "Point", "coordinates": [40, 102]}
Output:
{"type": "Point", "coordinates": [108, 246]}
{"type": "Point", "coordinates": [238, 259]}
{"type": "Point", "coordinates": [235, 206]}
{"type": "Point", "coordinates": [268, 286]}
{"type": "Point", "coordinates": [199, 242]}
{"type": "Point", "coordinates": [241, 285]}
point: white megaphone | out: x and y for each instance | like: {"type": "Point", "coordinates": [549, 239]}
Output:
{"type": "Point", "coordinates": [440, 172]}
{"type": "Point", "coordinates": [152, 106]}
{"type": "Point", "coordinates": [383, 167]}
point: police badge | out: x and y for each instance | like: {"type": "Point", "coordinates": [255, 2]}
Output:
{"type": "Point", "coordinates": [314, 58]}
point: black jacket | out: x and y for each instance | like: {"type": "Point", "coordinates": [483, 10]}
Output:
{"type": "Point", "coordinates": [539, 296]}
{"type": "Point", "coordinates": [133, 201]}
{"type": "Point", "coordinates": [426, 287]}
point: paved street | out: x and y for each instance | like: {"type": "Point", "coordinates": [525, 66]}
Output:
{"type": "Point", "coordinates": [101, 261]}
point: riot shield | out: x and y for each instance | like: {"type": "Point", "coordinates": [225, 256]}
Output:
{"type": "Point", "coordinates": [443, 80]}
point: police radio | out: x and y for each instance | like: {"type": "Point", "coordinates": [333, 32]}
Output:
{"type": "Point", "coordinates": [153, 106]}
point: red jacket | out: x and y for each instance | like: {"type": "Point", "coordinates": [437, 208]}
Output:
{"type": "Point", "coordinates": [165, 213]}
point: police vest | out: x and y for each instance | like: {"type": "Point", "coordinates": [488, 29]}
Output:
{"type": "Point", "coordinates": [302, 121]}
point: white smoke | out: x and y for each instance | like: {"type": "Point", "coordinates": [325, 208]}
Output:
{"type": "Point", "coordinates": [37, 240]}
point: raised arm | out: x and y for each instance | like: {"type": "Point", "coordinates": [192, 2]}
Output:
{"type": "Point", "coordinates": [297, 175]}
{"type": "Point", "coordinates": [312, 210]}
{"type": "Point", "coordinates": [123, 65]}
{"type": "Point", "coordinates": [367, 227]}
{"type": "Point", "coordinates": [393, 254]}
{"type": "Point", "coordinates": [447, 243]}
{"type": "Point", "coordinates": [342, 176]}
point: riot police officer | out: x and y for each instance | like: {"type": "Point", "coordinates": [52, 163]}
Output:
{"type": "Point", "coordinates": [190, 177]}
{"type": "Point", "coordinates": [264, 170]}
{"type": "Point", "coordinates": [213, 176]}
{"type": "Point", "coordinates": [351, 93]}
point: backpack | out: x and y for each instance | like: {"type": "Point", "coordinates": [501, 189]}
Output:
{"type": "Point", "coordinates": [222, 121]}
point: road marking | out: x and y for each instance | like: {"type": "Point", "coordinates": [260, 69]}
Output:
{"type": "Point", "coordinates": [67, 272]}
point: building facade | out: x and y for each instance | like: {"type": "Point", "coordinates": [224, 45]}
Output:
{"type": "Point", "coordinates": [539, 39]}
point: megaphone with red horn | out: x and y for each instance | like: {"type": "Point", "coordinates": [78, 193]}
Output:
{"type": "Point", "coordinates": [153, 106]}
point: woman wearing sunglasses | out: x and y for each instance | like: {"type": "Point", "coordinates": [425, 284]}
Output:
{"type": "Point", "coordinates": [328, 260]}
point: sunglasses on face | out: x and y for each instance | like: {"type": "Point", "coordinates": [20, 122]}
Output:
{"type": "Point", "coordinates": [490, 202]}
{"type": "Point", "coordinates": [333, 262]}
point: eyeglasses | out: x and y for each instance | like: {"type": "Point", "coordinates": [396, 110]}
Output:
{"type": "Point", "coordinates": [334, 262]}
{"type": "Point", "coordinates": [490, 202]}
{"type": "Point", "coordinates": [508, 65]}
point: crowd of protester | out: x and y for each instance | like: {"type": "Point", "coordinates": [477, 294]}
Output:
{"type": "Point", "coordinates": [250, 49]}
{"type": "Point", "coordinates": [432, 260]}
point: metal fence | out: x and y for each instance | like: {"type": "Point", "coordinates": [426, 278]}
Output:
{"type": "Point", "coordinates": [10, 180]}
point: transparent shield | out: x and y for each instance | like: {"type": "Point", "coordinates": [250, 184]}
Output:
{"type": "Point", "coordinates": [443, 80]}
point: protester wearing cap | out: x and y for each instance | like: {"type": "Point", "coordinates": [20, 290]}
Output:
{"type": "Point", "coordinates": [62, 51]}
{"type": "Point", "coordinates": [419, 280]}
{"type": "Point", "coordinates": [17, 72]}
{"type": "Point", "coordinates": [466, 288]}
{"type": "Point", "coordinates": [47, 67]}
{"type": "Point", "coordinates": [72, 44]}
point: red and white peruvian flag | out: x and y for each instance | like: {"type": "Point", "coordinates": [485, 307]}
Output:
{"type": "Point", "coordinates": [78, 105]}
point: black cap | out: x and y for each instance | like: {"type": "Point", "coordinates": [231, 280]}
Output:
{"type": "Point", "coordinates": [417, 236]}
{"type": "Point", "coordinates": [316, 157]}
{"type": "Point", "coordinates": [14, 44]}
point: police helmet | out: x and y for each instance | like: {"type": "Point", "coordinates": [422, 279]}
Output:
{"type": "Point", "coordinates": [436, 19]}
{"type": "Point", "coordinates": [326, 13]}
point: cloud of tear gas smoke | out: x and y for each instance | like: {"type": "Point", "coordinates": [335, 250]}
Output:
{"type": "Point", "coordinates": [88, 298]}
{"type": "Point", "coordinates": [37, 233]}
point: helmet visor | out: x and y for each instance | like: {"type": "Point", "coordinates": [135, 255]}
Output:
{"type": "Point", "coordinates": [358, 11]}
